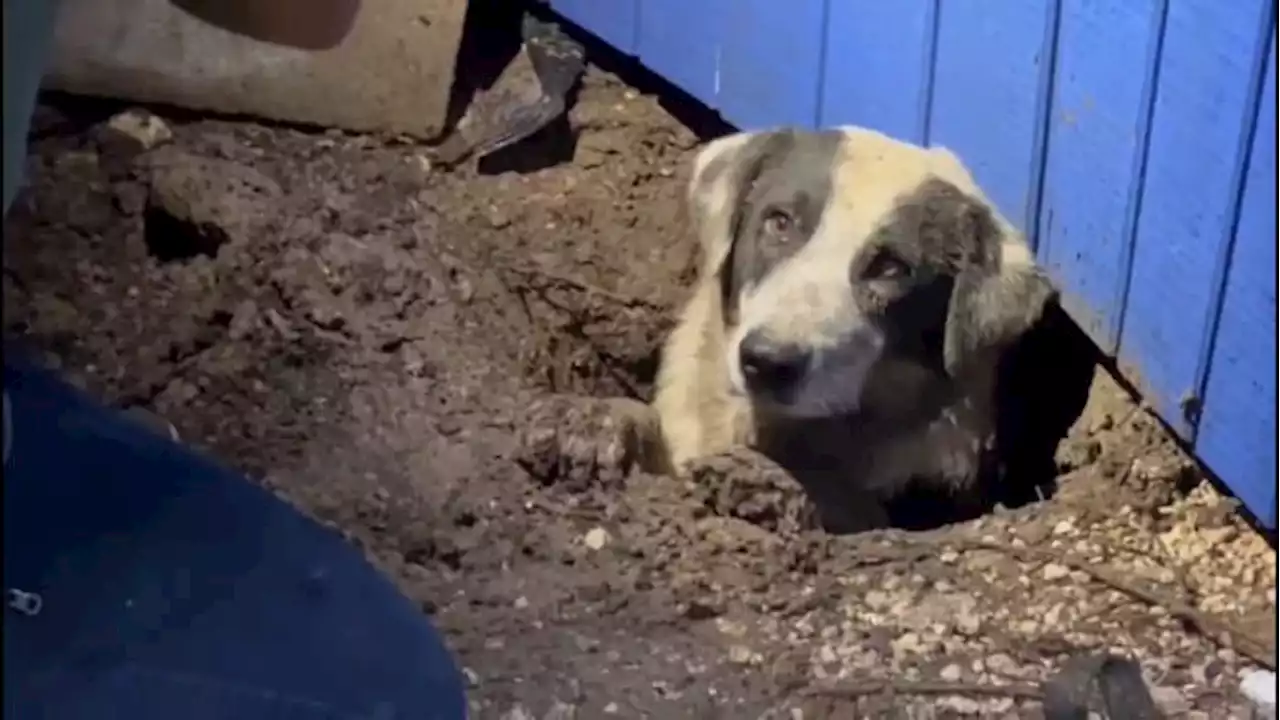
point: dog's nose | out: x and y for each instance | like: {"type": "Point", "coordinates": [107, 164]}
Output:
{"type": "Point", "coordinates": [771, 367]}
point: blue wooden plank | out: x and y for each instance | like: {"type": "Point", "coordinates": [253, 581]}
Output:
{"type": "Point", "coordinates": [990, 92]}
{"type": "Point", "coordinates": [680, 41]}
{"type": "Point", "coordinates": [879, 66]}
{"type": "Point", "coordinates": [1204, 105]}
{"type": "Point", "coordinates": [1237, 435]}
{"type": "Point", "coordinates": [771, 62]}
{"type": "Point", "coordinates": [613, 21]}
{"type": "Point", "coordinates": [1104, 73]}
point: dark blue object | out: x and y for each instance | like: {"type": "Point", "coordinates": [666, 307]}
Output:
{"type": "Point", "coordinates": [146, 582]}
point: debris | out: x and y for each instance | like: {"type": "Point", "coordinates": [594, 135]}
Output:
{"type": "Point", "coordinates": [143, 129]}
{"type": "Point", "coordinates": [1260, 687]}
{"type": "Point", "coordinates": [529, 94]}
{"type": "Point", "coordinates": [517, 712]}
{"type": "Point", "coordinates": [561, 711]}
{"type": "Point", "coordinates": [1067, 694]}
{"type": "Point", "coordinates": [596, 538]}
{"type": "Point", "coordinates": [1055, 571]}
{"type": "Point", "coordinates": [742, 655]}
{"type": "Point", "coordinates": [1171, 701]}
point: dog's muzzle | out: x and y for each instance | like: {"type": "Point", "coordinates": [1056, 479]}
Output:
{"type": "Point", "coordinates": [771, 369]}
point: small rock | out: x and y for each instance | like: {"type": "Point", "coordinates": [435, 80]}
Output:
{"type": "Point", "coordinates": [731, 628]}
{"type": "Point", "coordinates": [968, 623]}
{"type": "Point", "coordinates": [561, 711]}
{"type": "Point", "coordinates": [951, 673]}
{"type": "Point", "coordinates": [1003, 706]}
{"type": "Point", "coordinates": [1170, 700]}
{"type": "Point", "coordinates": [517, 712]}
{"type": "Point", "coordinates": [497, 218]}
{"type": "Point", "coordinates": [906, 643]}
{"type": "Point", "coordinates": [1001, 664]}
{"type": "Point", "coordinates": [596, 538]}
{"type": "Point", "coordinates": [521, 603]}
{"type": "Point", "coordinates": [960, 705]}
{"type": "Point", "coordinates": [876, 600]}
{"type": "Point", "coordinates": [1053, 618]}
{"type": "Point", "coordinates": [142, 128]}
{"type": "Point", "coordinates": [740, 655]}
{"type": "Point", "coordinates": [1054, 571]}
{"type": "Point", "coordinates": [611, 708]}
{"type": "Point", "coordinates": [1260, 687]}
{"type": "Point", "coordinates": [1063, 527]}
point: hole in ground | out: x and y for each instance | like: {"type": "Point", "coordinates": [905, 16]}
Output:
{"type": "Point", "coordinates": [1045, 379]}
{"type": "Point", "coordinates": [1044, 382]}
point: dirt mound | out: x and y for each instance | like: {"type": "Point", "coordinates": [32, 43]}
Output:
{"type": "Point", "coordinates": [428, 362]}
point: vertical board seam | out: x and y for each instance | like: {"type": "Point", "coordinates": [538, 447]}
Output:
{"type": "Point", "coordinates": [1226, 252]}
{"type": "Point", "coordinates": [930, 71]}
{"type": "Point", "coordinates": [1044, 115]}
{"type": "Point", "coordinates": [718, 29]}
{"type": "Point", "coordinates": [635, 30]}
{"type": "Point", "coordinates": [820, 92]}
{"type": "Point", "coordinates": [1133, 207]}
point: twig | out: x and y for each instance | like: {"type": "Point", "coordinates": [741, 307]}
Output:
{"type": "Point", "coordinates": [853, 690]}
{"type": "Point", "coordinates": [607, 361]}
{"type": "Point", "coordinates": [552, 278]}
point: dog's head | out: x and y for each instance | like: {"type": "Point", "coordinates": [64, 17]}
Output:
{"type": "Point", "coordinates": [839, 249]}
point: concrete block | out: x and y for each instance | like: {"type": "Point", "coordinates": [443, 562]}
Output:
{"type": "Point", "coordinates": [393, 73]}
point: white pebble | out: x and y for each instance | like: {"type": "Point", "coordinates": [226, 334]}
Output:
{"type": "Point", "coordinates": [517, 712]}
{"type": "Point", "coordinates": [1260, 687]}
{"type": "Point", "coordinates": [1054, 571]}
{"type": "Point", "coordinates": [596, 538]}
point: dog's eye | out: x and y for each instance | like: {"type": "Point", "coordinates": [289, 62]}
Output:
{"type": "Point", "coordinates": [777, 222]}
{"type": "Point", "coordinates": [887, 266]}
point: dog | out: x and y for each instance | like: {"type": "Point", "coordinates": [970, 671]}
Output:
{"type": "Point", "coordinates": [854, 296]}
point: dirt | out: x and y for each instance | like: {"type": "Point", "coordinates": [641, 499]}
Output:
{"type": "Point", "coordinates": [431, 362]}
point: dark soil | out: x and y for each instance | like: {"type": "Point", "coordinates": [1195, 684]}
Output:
{"type": "Point", "coordinates": [428, 362]}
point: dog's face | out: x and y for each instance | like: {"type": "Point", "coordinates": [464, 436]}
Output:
{"type": "Point", "coordinates": [840, 249]}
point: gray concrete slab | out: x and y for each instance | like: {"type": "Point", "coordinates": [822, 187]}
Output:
{"type": "Point", "coordinates": [392, 74]}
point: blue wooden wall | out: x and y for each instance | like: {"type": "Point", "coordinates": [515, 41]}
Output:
{"type": "Point", "coordinates": [1133, 140]}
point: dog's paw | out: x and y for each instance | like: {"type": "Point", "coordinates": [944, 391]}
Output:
{"type": "Point", "coordinates": [746, 485]}
{"type": "Point", "coordinates": [579, 442]}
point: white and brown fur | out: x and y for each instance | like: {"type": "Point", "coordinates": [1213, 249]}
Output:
{"type": "Point", "coordinates": [883, 264]}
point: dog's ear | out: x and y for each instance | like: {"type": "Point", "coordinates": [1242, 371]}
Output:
{"type": "Point", "coordinates": [723, 171]}
{"type": "Point", "coordinates": [999, 292]}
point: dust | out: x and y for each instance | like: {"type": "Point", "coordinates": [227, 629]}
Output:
{"type": "Point", "coordinates": [432, 363]}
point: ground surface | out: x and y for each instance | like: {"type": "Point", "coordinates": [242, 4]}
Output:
{"type": "Point", "coordinates": [412, 356]}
